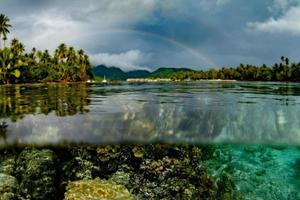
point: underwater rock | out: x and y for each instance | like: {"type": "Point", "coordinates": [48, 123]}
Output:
{"type": "Point", "coordinates": [156, 171]}
{"type": "Point", "coordinates": [112, 158]}
{"type": "Point", "coordinates": [36, 170]}
{"type": "Point", "coordinates": [172, 172]}
{"type": "Point", "coordinates": [83, 161]}
{"type": "Point", "coordinates": [227, 188]}
{"type": "Point", "coordinates": [96, 189]}
{"type": "Point", "coordinates": [108, 152]}
{"type": "Point", "coordinates": [8, 187]}
{"type": "Point", "coordinates": [121, 177]}
{"type": "Point", "coordinates": [138, 151]}
{"type": "Point", "coordinates": [77, 164]}
{"type": "Point", "coordinates": [8, 166]}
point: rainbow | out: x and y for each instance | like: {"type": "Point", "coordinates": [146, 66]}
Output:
{"type": "Point", "coordinates": [195, 52]}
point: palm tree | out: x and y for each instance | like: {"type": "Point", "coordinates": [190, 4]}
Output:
{"type": "Point", "coordinates": [46, 57]}
{"type": "Point", "coordinates": [4, 27]}
{"type": "Point", "coordinates": [87, 67]}
{"type": "Point", "coordinates": [32, 54]}
{"type": "Point", "coordinates": [7, 67]}
{"type": "Point", "coordinates": [82, 64]}
{"type": "Point", "coordinates": [71, 56]}
{"type": "Point", "coordinates": [287, 61]}
{"type": "Point", "coordinates": [4, 40]}
{"type": "Point", "coordinates": [61, 52]}
{"type": "Point", "coordinates": [17, 47]}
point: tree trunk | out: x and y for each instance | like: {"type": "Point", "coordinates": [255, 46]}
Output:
{"type": "Point", "coordinates": [5, 78]}
{"type": "Point", "coordinates": [0, 42]}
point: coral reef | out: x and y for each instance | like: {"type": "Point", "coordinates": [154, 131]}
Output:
{"type": "Point", "coordinates": [150, 171]}
{"type": "Point", "coordinates": [96, 189]}
{"type": "Point", "coordinates": [36, 170]}
{"type": "Point", "coordinates": [8, 187]}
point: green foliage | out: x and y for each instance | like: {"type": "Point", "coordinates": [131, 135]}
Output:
{"type": "Point", "coordinates": [39, 66]}
{"type": "Point", "coordinates": [168, 72]}
{"type": "Point", "coordinates": [284, 71]}
{"type": "Point", "coordinates": [4, 27]}
{"type": "Point", "coordinates": [114, 73]}
{"type": "Point", "coordinates": [9, 65]}
{"type": "Point", "coordinates": [138, 73]}
{"type": "Point", "coordinates": [111, 73]}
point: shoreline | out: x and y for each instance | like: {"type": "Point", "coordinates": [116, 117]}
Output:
{"type": "Point", "coordinates": [146, 81]}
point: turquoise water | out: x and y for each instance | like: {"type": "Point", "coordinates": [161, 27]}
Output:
{"type": "Point", "coordinates": [252, 127]}
{"type": "Point", "coordinates": [259, 171]}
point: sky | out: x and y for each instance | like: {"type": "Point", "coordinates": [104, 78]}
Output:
{"type": "Point", "coordinates": [148, 34]}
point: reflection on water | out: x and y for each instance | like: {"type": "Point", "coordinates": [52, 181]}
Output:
{"type": "Point", "coordinates": [18, 101]}
{"type": "Point", "coordinates": [3, 131]}
{"type": "Point", "coordinates": [196, 112]}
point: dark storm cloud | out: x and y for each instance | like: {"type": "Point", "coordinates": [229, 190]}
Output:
{"type": "Point", "coordinates": [153, 33]}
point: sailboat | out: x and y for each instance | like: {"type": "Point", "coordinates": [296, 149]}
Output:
{"type": "Point", "coordinates": [104, 80]}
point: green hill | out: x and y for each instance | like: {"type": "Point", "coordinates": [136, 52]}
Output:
{"type": "Point", "coordinates": [115, 73]}
{"type": "Point", "coordinates": [111, 73]}
{"type": "Point", "coordinates": [138, 74]}
{"type": "Point", "coordinates": [167, 72]}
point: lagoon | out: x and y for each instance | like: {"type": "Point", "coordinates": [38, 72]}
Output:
{"type": "Point", "coordinates": [185, 112]}
{"type": "Point", "coordinates": [244, 135]}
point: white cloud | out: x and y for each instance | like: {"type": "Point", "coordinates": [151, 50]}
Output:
{"type": "Point", "coordinates": [127, 61]}
{"type": "Point", "coordinates": [287, 23]}
{"type": "Point", "coordinates": [46, 28]}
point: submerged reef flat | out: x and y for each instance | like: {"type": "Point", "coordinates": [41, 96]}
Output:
{"type": "Point", "coordinates": [149, 171]}
{"type": "Point", "coordinates": [152, 171]}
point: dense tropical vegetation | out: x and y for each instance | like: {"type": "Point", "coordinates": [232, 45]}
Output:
{"type": "Point", "coordinates": [115, 73]}
{"type": "Point", "coordinates": [283, 71]}
{"type": "Point", "coordinates": [18, 66]}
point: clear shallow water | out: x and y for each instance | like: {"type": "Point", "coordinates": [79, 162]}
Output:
{"type": "Point", "coordinates": [258, 121]}
{"type": "Point", "coordinates": [194, 112]}
{"type": "Point", "coordinates": [259, 172]}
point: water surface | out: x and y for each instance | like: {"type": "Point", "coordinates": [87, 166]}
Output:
{"type": "Point", "coordinates": [194, 112]}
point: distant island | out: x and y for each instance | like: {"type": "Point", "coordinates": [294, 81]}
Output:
{"type": "Point", "coordinates": [70, 65]}
{"type": "Point", "coordinates": [283, 71]}
{"type": "Point", "coordinates": [116, 74]}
